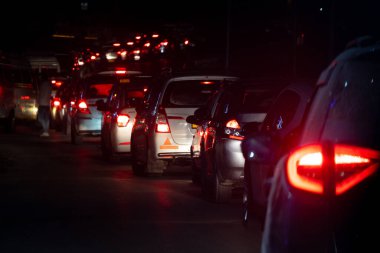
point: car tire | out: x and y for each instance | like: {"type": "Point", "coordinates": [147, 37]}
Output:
{"type": "Point", "coordinates": [248, 207]}
{"type": "Point", "coordinates": [108, 152]}
{"type": "Point", "coordinates": [10, 123]}
{"type": "Point", "coordinates": [154, 167]}
{"type": "Point", "coordinates": [75, 138]}
{"type": "Point", "coordinates": [212, 187]}
{"type": "Point", "coordinates": [219, 193]}
{"type": "Point", "coordinates": [138, 165]}
{"type": "Point", "coordinates": [195, 176]}
{"type": "Point", "coordinates": [67, 124]}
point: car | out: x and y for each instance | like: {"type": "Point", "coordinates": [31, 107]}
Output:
{"type": "Point", "coordinates": [265, 143]}
{"type": "Point", "coordinates": [161, 134]}
{"type": "Point", "coordinates": [215, 151]}
{"type": "Point", "coordinates": [119, 112]}
{"type": "Point", "coordinates": [18, 94]}
{"type": "Point", "coordinates": [324, 194]}
{"type": "Point", "coordinates": [85, 118]}
{"type": "Point", "coordinates": [61, 96]}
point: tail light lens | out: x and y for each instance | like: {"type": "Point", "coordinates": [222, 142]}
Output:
{"type": "Point", "coordinates": [56, 102]}
{"type": "Point", "coordinates": [122, 120]}
{"type": "Point", "coordinates": [25, 97]}
{"type": "Point", "coordinates": [162, 125]}
{"type": "Point", "coordinates": [351, 165]}
{"type": "Point", "coordinates": [82, 107]}
{"type": "Point", "coordinates": [233, 130]}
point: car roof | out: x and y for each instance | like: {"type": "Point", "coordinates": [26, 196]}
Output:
{"type": "Point", "coordinates": [203, 77]}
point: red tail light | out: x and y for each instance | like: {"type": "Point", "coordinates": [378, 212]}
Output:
{"type": "Point", "coordinates": [56, 102]}
{"type": "Point", "coordinates": [82, 107]}
{"type": "Point", "coordinates": [25, 97]}
{"type": "Point", "coordinates": [233, 129]}
{"type": "Point", "coordinates": [305, 167]}
{"type": "Point", "coordinates": [122, 120]}
{"type": "Point", "coordinates": [162, 125]}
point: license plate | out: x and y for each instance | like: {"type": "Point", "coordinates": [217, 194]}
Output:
{"type": "Point", "coordinates": [194, 126]}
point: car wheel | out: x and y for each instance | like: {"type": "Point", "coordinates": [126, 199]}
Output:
{"type": "Point", "coordinates": [107, 149]}
{"type": "Point", "coordinates": [247, 197]}
{"type": "Point", "coordinates": [211, 185]}
{"type": "Point", "coordinates": [154, 167]}
{"type": "Point", "coordinates": [219, 193]}
{"type": "Point", "coordinates": [195, 177]}
{"type": "Point", "coordinates": [75, 138]}
{"type": "Point", "coordinates": [138, 159]}
{"type": "Point", "coordinates": [203, 176]}
{"type": "Point", "coordinates": [67, 125]}
{"type": "Point", "coordinates": [64, 125]}
{"type": "Point", "coordinates": [10, 123]}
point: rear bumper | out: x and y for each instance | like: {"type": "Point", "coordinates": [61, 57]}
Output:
{"type": "Point", "coordinates": [174, 155]}
{"type": "Point", "coordinates": [88, 125]}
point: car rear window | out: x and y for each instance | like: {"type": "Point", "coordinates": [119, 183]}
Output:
{"type": "Point", "coordinates": [98, 90]}
{"type": "Point", "coordinates": [192, 93]}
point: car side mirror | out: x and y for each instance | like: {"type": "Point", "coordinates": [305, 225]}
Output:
{"type": "Point", "coordinates": [258, 146]}
{"type": "Point", "coordinates": [192, 119]}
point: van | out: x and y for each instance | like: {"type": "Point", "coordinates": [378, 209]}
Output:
{"type": "Point", "coordinates": [18, 95]}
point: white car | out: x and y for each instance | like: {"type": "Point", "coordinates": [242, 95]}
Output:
{"type": "Point", "coordinates": [119, 115]}
{"type": "Point", "coordinates": [86, 119]}
{"type": "Point", "coordinates": [161, 133]}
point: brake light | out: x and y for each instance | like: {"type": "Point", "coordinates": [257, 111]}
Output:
{"type": "Point", "coordinates": [56, 102]}
{"type": "Point", "coordinates": [82, 106]}
{"type": "Point", "coordinates": [233, 124]}
{"type": "Point", "coordinates": [351, 165]}
{"type": "Point", "coordinates": [25, 97]}
{"type": "Point", "coordinates": [162, 125]}
{"type": "Point", "coordinates": [233, 130]}
{"type": "Point", "coordinates": [120, 71]}
{"type": "Point", "coordinates": [207, 82]}
{"type": "Point", "coordinates": [122, 120]}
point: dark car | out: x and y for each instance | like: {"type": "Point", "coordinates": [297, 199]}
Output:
{"type": "Point", "coordinates": [61, 104]}
{"type": "Point", "coordinates": [264, 144]}
{"type": "Point", "coordinates": [216, 148]}
{"type": "Point", "coordinates": [324, 195]}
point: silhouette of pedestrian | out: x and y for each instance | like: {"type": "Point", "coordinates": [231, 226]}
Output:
{"type": "Point", "coordinates": [44, 96]}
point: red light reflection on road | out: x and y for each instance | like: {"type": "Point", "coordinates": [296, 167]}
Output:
{"type": "Point", "coordinates": [162, 195]}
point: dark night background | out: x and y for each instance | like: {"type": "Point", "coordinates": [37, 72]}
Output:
{"type": "Point", "coordinates": [287, 38]}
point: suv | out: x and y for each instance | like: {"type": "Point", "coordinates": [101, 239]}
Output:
{"type": "Point", "coordinates": [161, 134]}
{"type": "Point", "coordinates": [18, 95]}
{"type": "Point", "coordinates": [325, 191]}
{"type": "Point", "coordinates": [264, 144]}
{"type": "Point", "coordinates": [216, 153]}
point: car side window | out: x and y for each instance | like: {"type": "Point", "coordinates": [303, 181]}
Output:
{"type": "Point", "coordinates": [114, 100]}
{"type": "Point", "coordinates": [282, 112]}
{"type": "Point", "coordinates": [223, 106]}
